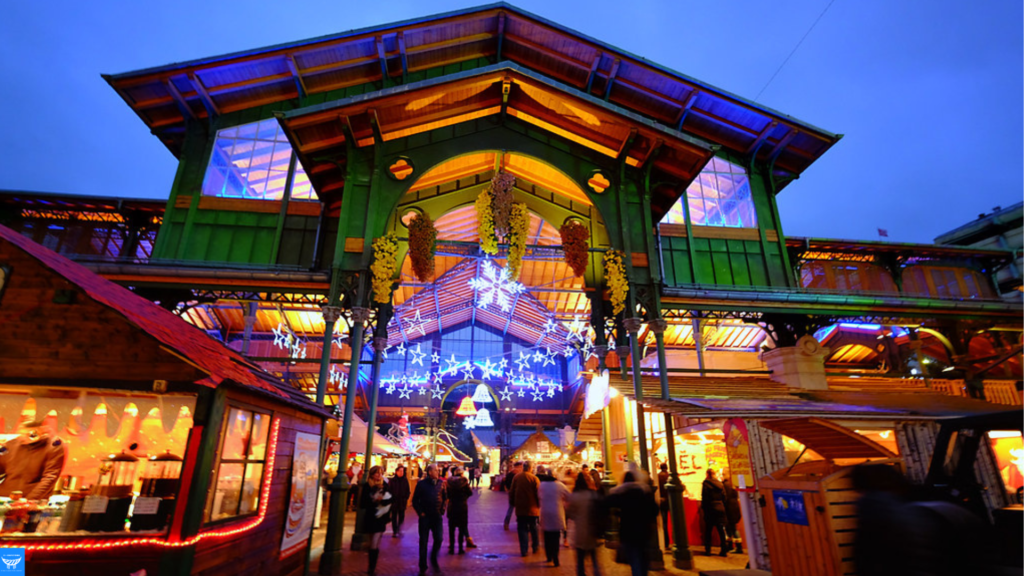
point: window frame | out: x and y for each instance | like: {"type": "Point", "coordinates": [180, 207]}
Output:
{"type": "Point", "coordinates": [215, 471]}
{"type": "Point", "coordinates": [922, 280]}
{"type": "Point", "coordinates": [294, 166]}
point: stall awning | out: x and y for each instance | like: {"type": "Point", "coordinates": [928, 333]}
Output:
{"type": "Point", "coordinates": [357, 441]}
{"type": "Point", "coordinates": [828, 439]}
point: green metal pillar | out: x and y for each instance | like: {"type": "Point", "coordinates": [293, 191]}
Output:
{"type": "Point", "coordinates": [633, 327]}
{"type": "Point", "coordinates": [331, 316]}
{"type": "Point", "coordinates": [330, 561]}
{"type": "Point", "coordinates": [682, 558]}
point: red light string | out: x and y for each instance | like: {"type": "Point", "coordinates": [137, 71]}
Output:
{"type": "Point", "coordinates": [224, 532]}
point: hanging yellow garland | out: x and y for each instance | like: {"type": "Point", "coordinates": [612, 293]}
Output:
{"type": "Point", "coordinates": [485, 224]}
{"type": "Point", "coordinates": [615, 275]}
{"type": "Point", "coordinates": [519, 228]}
{"type": "Point", "coordinates": [385, 264]}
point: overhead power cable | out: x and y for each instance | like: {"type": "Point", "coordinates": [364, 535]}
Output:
{"type": "Point", "coordinates": [795, 48]}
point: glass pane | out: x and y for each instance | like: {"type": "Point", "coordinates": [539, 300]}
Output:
{"type": "Point", "coordinates": [260, 429]}
{"type": "Point", "coordinates": [236, 437]}
{"type": "Point", "coordinates": [251, 161]}
{"type": "Point", "coordinates": [251, 488]}
{"type": "Point", "coordinates": [228, 491]}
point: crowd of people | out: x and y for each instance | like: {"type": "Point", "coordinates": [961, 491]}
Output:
{"type": "Point", "coordinates": [544, 502]}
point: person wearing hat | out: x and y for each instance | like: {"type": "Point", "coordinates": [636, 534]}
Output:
{"type": "Point", "coordinates": [32, 462]}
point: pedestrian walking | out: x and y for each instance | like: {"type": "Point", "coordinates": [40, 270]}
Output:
{"type": "Point", "coordinates": [732, 516]}
{"type": "Point", "coordinates": [400, 492]}
{"type": "Point", "coordinates": [637, 513]}
{"type": "Point", "coordinates": [584, 506]}
{"type": "Point", "coordinates": [459, 492]}
{"type": "Point", "coordinates": [506, 485]}
{"type": "Point", "coordinates": [553, 496]}
{"type": "Point", "coordinates": [525, 496]}
{"type": "Point", "coordinates": [430, 500]}
{"type": "Point", "coordinates": [712, 502]}
{"type": "Point", "coordinates": [597, 475]}
{"type": "Point", "coordinates": [663, 501]}
{"type": "Point", "coordinates": [376, 502]}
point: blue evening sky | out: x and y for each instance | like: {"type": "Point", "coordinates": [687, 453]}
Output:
{"type": "Point", "coordinates": [927, 92]}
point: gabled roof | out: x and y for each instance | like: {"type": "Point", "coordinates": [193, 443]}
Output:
{"type": "Point", "coordinates": [179, 337]}
{"type": "Point", "coordinates": [165, 96]}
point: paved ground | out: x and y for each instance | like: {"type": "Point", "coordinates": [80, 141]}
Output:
{"type": "Point", "coordinates": [498, 552]}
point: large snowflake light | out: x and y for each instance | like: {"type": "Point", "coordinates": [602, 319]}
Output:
{"type": "Point", "coordinates": [495, 287]}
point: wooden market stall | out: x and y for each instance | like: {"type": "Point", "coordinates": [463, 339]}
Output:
{"type": "Point", "coordinates": [810, 517]}
{"type": "Point", "coordinates": [133, 441]}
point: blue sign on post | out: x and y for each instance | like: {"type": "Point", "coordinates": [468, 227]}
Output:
{"type": "Point", "coordinates": [789, 507]}
{"type": "Point", "coordinates": [12, 561]}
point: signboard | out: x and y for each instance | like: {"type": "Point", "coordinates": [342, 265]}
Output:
{"type": "Point", "coordinates": [715, 456]}
{"type": "Point", "coordinates": [737, 447]}
{"type": "Point", "coordinates": [95, 505]}
{"type": "Point", "coordinates": [304, 491]}
{"type": "Point", "coordinates": [789, 507]}
{"type": "Point", "coordinates": [146, 505]}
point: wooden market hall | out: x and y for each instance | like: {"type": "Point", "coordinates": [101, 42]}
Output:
{"type": "Point", "coordinates": [469, 238]}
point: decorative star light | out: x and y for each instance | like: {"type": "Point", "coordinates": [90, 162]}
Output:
{"type": "Point", "coordinates": [453, 366]}
{"type": "Point", "coordinates": [435, 358]}
{"type": "Point", "coordinates": [404, 393]}
{"type": "Point", "coordinates": [495, 287]}
{"type": "Point", "coordinates": [530, 380]}
{"type": "Point", "coordinates": [587, 351]}
{"type": "Point", "coordinates": [489, 370]}
{"type": "Point", "coordinates": [551, 392]}
{"type": "Point", "coordinates": [281, 336]}
{"type": "Point", "coordinates": [575, 331]}
{"type": "Point", "coordinates": [549, 358]}
{"type": "Point", "coordinates": [417, 355]}
{"type": "Point", "coordinates": [510, 373]}
{"type": "Point", "coordinates": [404, 379]}
{"type": "Point", "coordinates": [506, 394]}
{"type": "Point", "coordinates": [416, 324]}
{"type": "Point", "coordinates": [400, 349]}
{"type": "Point", "coordinates": [390, 388]}
{"type": "Point", "coordinates": [384, 352]}
{"type": "Point", "coordinates": [538, 357]}
{"type": "Point", "coordinates": [436, 378]}
{"type": "Point", "coordinates": [550, 326]}
{"type": "Point", "coordinates": [568, 352]}
{"type": "Point", "coordinates": [436, 393]}
{"type": "Point", "coordinates": [521, 392]}
{"type": "Point", "coordinates": [524, 361]}
{"type": "Point", "coordinates": [537, 395]}
{"type": "Point", "coordinates": [422, 391]}
{"type": "Point", "coordinates": [502, 365]}
{"type": "Point", "coordinates": [338, 377]}
{"type": "Point", "coordinates": [467, 370]}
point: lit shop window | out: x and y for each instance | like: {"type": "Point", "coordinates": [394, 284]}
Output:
{"type": "Point", "coordinates": [243, 454]}
{"type": "Point", "coordinates": [251, 161]}
{"type": "Point", "coordinates": [90, 460]}
{"type": "Point", "coordinates": [719, 196]}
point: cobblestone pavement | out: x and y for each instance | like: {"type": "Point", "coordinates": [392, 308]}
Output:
{"type": "Point", "coordinates": [497, 553]}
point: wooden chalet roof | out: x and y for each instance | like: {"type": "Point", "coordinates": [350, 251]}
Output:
{"type": "Point", "coordinates": [830, 440]}
{"type": "Point", "coordinates": [164, 97]}
{"type": "Point", "coordinates": [183, 340]}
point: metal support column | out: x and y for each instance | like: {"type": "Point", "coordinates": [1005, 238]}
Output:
{"type": "Point", "coordinates": [698, 341]}
{"type": "Point", "coordinates": [681, 556]}
{"type": "Point", "coordinates": [330, 561]}
{"type": "Point", "coordinates": [331, 315]}
{"type": "Point", "coordinates": [632, 325]}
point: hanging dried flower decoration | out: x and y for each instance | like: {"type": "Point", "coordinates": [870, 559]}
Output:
{"type": "Point", "coordinates": [385, 264]}
{"type": "Point", "coordinates": [575, 246]}
{"type": "Point", "coordinates": [422, 246]}
{"type": "Point", "coordinates": [485, 224]}
{"type": "Point", "coordinates": [615, 276]}
{"type": "Point", "coordinates": [501, 202]}
{"type": "Point", "coordinates": [519, 228]}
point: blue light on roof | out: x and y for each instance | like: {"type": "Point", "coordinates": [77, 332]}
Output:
{"type": "Point", "coordinates": [856, 326]}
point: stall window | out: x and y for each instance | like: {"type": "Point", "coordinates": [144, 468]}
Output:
{"type": "Point", "coordinates": [720, 196]}
{"type": "Point", "coordinates": [846, 276]}
{"type": "Point", "coordinates": [945, 283]}
{"type": "Point", "coordinates": [243, 454]}
{"type": "Point", "coordinates": [251, 161]}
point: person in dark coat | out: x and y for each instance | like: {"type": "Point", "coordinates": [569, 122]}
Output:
{"type": "Point", "coordinates": [399, 487]}
{"type": "Point", "coordinates": [32, 462]}
{"type": "Point", "coordinates": [732, 516]}
{"type": "Point", "coordinates": [525, 495]}
{"type": "Point", "coordinates": [376, 501]}
{"type": "Point", "coordinates": [637, 514]}
{"type": "Point", "coordinates": [712, 501]}
{"type": "Point", "coordinates": [430, 500]}
{"type": "Point", "coordinates": [459, 492]}
{"type": "Point", "coordinates": [663, 502]}
{"type": "Point", "coordinates": [506, 485]}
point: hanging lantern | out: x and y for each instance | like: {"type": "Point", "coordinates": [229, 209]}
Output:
{"type": "Point", "coordinates": [483, 418]}
{"type": "Point", "coordinates": [469, 423]}
{"type": "Point", "coordinates": [466, 408]}
{"type": "Point", "coordinates": [482, 395]}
